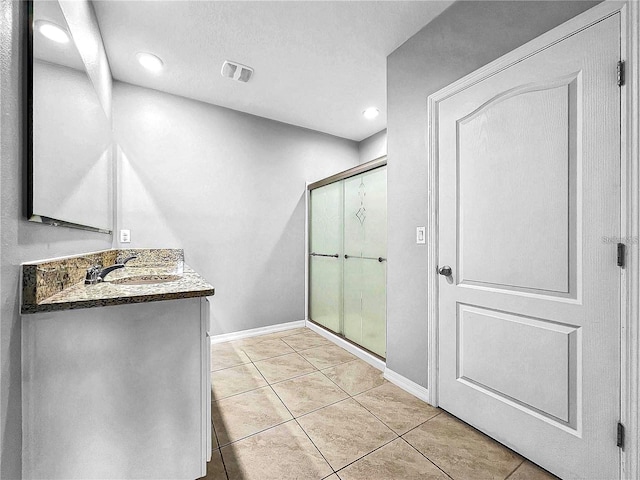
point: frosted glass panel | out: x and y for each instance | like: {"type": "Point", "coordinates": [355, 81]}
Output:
{"type": "Point", "coordinates": [326, 219]}
{"type": "Point", "coordinates": [365, 303]}
{"type": "Point", "coordinates": [374, 306]}
{"type": "Point", "coordinates": [365, 214]}
{"type": "Point", "coordinates": [365, 241]}
{"type": "Point", "coordinates": [353, 299]}
{"type": "Point", "coordinates": [348, 293]}
{"type": "Point", "coordinates": [325, 306]}
{"type": "Point", "coordinates": [325, 273]}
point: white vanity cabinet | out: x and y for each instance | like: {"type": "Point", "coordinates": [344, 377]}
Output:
{"type": "Point", "coordinates": [117, 392]}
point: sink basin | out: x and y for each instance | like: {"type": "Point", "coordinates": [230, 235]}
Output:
{"type": "Point", "coordinates": [145, 279]}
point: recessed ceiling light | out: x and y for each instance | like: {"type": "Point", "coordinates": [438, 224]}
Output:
{"type": "Point", "coordinates": [52, 31]}
{"type": "Point", "coordinates": [370, 113]}
{"type": "Point", "coordinates": [150, 61]}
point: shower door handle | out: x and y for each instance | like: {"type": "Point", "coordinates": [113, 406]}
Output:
{"type": "Point", "coordinates": [324, 255]}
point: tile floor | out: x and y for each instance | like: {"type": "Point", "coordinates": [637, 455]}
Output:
{"type": "Point", "coordinates": [292, 405]}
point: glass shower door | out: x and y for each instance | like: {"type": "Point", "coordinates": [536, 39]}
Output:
{"type": "Point", "coordinates": [365, 247]}
{"type": "Point", "coordinates": [325, 258]}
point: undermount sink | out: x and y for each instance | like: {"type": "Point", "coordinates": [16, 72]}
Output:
{"type": "Point", "coordinates": [145, 279]}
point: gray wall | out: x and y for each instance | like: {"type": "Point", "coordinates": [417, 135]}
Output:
{"type": "Point", "coordinates": [228, 188]}
{"type": "Point", "coordinates": [462, 39]}
{"type": "Point", "coordinates": [373, 147]}
{"type": "Point", "coordinates": [20, 240]}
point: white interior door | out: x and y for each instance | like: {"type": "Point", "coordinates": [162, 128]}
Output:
{"type": "Point", "coordinates": [529, 319]}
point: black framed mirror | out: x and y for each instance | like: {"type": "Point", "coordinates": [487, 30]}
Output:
{"type": "Point", "coordinates": [69, 150]}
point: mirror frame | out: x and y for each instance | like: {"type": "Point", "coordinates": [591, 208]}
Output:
{"type": "Point", "coordinates": [27, 64]}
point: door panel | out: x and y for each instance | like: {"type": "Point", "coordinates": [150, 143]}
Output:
{"type": "Point", "coordinates": [493, 142]}
{"type": "Point", "coordinates": [365, 242]}
{"type": "Point", "coordinates": [374, 306]}
{"type": "Point", "coordinates": [325, 270]}
{"type": "Point", "coordinates": [326, 228]}
{"type": "Point", "coordinates": [365, 214]}
{"type": "Point", "coordinates": [325, 305]}
{"type": "Point", "coordinates": [353, 299]}
{"type": "Point", "coordinates": [529, 322]}
{"type": "Point", "coordinates": [498, 350]}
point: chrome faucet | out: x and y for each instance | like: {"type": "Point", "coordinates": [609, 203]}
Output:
{"type": "Point", "coordinates": [122, 262]}
{"type": "Point", "coordinates": [96, 273]}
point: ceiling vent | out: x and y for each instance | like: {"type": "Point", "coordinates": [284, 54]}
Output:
{"type": "Point", "coordinates": [237, 71]}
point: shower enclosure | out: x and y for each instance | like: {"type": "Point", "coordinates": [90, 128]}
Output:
{"type": "Point", "coordinates": [347, 254]}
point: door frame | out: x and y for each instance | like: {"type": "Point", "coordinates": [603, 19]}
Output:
{"type": "Point", "coordinates": [630, 206]}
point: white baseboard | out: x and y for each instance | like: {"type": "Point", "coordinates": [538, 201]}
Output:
{"type": "Point", "coordinates": [407, 385]}
{"type": "Point", "coordinates": [254, 332]}
{"type": "Point", "coordinates": [349, 347]}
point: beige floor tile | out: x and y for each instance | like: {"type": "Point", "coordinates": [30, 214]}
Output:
{"type": "Point", "coordinates": [215, 468]}
{"type": "Point", "coordinates": [307, 393]}
{"type": "Point", "coordinates": [333, 476]}
{"type": "Point", "coordinates": [344, 432]}
{"type": "Point", "coordinates": [355, 377]}
{"type": "Point", "coordinates": [398, 409]}
{"type": "Point", "coordinates": [327, 356]}
{"type": "Point", "coordinates": [461, 451]}
{"type": "Point", "coordinates": [283, 333]}
{"type": "Point", "coordinates": [266, 349]}
{"type": "Point", "coordinates": [234, 380]}
{"type": "Point", "coordinates": [269, 336]}
{"type": "Point", "coordinates": [280, 453]}
{"type": "Point", "coordinates": [396, 460]}
{"type": "Point", "coordinates": [214, 437]}
{"type": "Point", "coordinates": [248, 413]}
{"type": "Point", "coordinates": [529, 471]}
{"type": "Point", "coordinates": [284, 367]}
{"type": "Point", "coordinates": [306, 340]}
{"type": "Point", "coordinates": [225, 355]}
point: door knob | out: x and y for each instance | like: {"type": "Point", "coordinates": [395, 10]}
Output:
{"type": "Point", "coordinates": [446, 271]}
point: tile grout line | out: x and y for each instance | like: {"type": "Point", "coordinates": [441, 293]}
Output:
{"type": "Point", "coordinates": [232, 366]}
{"type": "Point", "coordinates": [333, 470]}
{"type": "Point", "coordinates": [219, 448]}
{"type": "Point", "coordinates": [427, 458]}
{"type": "Point", "coordinates": [280, 356]}
{"type": "Point", "coordinates": [350, 395]}
{"type": "Point", "coordinates": [224, 466]}
{"type": "Point", "coordinates": [331, 380]}
{"type": "Point", "coordinates": [239, 393]}
{"type": "Point", "coordinates": [368, 453]}
{"type": "Point", "coordinates": [287, 379]}
{"type": "Point", "coordinates": [514, 470]}
{"type": "Point", "coordinates": [254, 433]}
{"type": "Point", "coordinates": [320, 408]}
{"type": "Point", "coordinates": [298, 376]}
{"type": "Point", "coordinates": [376, 416]}
{"type": "Point", "coordinates": [417, 426]}
{"type": "Point", "coordinates": [301, 428]}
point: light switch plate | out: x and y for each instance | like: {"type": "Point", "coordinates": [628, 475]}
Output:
{"type": "Point", "coordinates": [421, 234]}
{"type": "Point", "coordinates": [125, 236]}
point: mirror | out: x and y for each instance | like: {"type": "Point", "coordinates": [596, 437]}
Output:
{"type": "Point", "coordinates": [69, 172]}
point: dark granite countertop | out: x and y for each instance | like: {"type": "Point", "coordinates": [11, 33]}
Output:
{"type": "Point", "coordinates": [176, 280]}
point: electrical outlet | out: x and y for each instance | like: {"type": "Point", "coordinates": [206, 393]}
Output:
{"type": "Point", "coordinates": [125, 236]}
{"type": "Point", "coordinates": [421, 234]}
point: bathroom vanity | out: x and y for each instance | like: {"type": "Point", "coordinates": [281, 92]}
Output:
{"type": "Point", "coordinates": [116, 380]}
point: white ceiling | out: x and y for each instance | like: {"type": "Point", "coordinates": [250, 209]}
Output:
{"type": "Point", "coordinates": [44, 49]}
{"type": "Point", "coordinates": [317, 64]}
